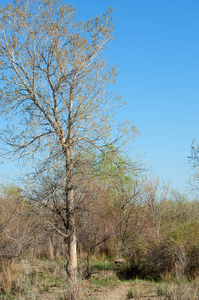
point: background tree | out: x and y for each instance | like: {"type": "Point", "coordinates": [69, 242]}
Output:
{"type": "Point", "coordinates": [194, 161]}
{"type": "Point", "coordinates": [54, 90]}
{"type": "Point", "coordinates": [154, 196]}
{"type": "Point", "coordinates": [119, 181]}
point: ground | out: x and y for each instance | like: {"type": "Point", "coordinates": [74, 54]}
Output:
{"type": "Point", "coordinates": [116, 293]}
{"type": "Point", "coordinates": [126, 290]}
{"type": "Point", "coordinates": [46, 280]}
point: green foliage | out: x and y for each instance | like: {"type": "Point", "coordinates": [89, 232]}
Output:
{"type": "Point", "coordinates": [111, 167]}
{"type": "Point", "coordinates": [185, 234]}
{"type": "Point", "coordinates": [102, 265]}
{"type": "Point", "coordinates": [108, 280]}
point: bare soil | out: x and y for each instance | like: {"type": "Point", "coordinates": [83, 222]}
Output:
{"type": "Point", "coordinates": [113, 293]}
{"type": "Point", "coordinates": [140, 291]}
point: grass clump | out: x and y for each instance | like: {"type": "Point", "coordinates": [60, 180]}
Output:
{"type": "Point", "coordinates": [129, 294]}
{"type": "Point", "coordinates": [102, 265]}
{"type": "Point", "coordinates": [165, 291]}
{"type": "Point", "coordinates": [104, 281]}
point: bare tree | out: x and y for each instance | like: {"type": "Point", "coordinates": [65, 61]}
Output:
{"type": "Point", "coordinates": [53, 81]}
{"type": "Point", "coordinates": [194, 162]}
{"type": "Point", "coordinates": [155, 197]}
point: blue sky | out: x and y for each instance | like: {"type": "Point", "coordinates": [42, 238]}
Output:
{"type": "Point", "coordinates": [157, 50]}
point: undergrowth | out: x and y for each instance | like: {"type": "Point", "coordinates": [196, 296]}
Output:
{"type": "Point", "coordinates": [40, 279]}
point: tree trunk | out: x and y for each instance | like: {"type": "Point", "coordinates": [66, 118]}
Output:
{"type": "Point", "coordinates": [51, 249]}
{"type": "Point", "coordinates": [71, 267]}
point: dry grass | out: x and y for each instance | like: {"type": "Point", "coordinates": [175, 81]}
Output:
{"type": "Point", "coordinates": [171, 291]}
{"type": "Point", "coordinates": [31, 280]}
{"type": "Point", "coordinates": [44, 279]}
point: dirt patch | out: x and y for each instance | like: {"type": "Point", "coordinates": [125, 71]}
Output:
{"type": "Point", "coordinates": [113, 293]}
{"type": "Point", "coordinates": [138, 290]}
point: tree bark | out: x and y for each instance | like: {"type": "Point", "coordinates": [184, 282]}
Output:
{"type": "Point", "coordinates": [71, 267]}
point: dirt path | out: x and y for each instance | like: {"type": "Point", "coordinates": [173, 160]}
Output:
{"type": "Point", "coordinates": [141, 290]}
{"type": "Point", "coordinates": [116, 293]}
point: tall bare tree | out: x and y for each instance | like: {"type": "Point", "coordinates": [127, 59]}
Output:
{"type": "Point", "coordinates": [53, 81]}
{"type": "Point", "coordinates": [155, 196]}
{"type": "Point", "coordinates": [194, 161]}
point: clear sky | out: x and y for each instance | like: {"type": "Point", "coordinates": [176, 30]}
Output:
{"type": "Point", "coordinates": [157, 51]}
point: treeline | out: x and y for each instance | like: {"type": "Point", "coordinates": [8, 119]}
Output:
{"type": "Point", "coordinates": [153, 229]}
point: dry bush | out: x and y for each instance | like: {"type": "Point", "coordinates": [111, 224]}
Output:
{"type": "Point", "coordinates": [192, 268]}
{"type": "Point", "coordinates": [149, 261]}
{"type": "Point", "coordinates": [23, 232]}
{"type": "Point", "coordinates": [11, 278]}
{"type": "Point", "coordinates": [169, 250]}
